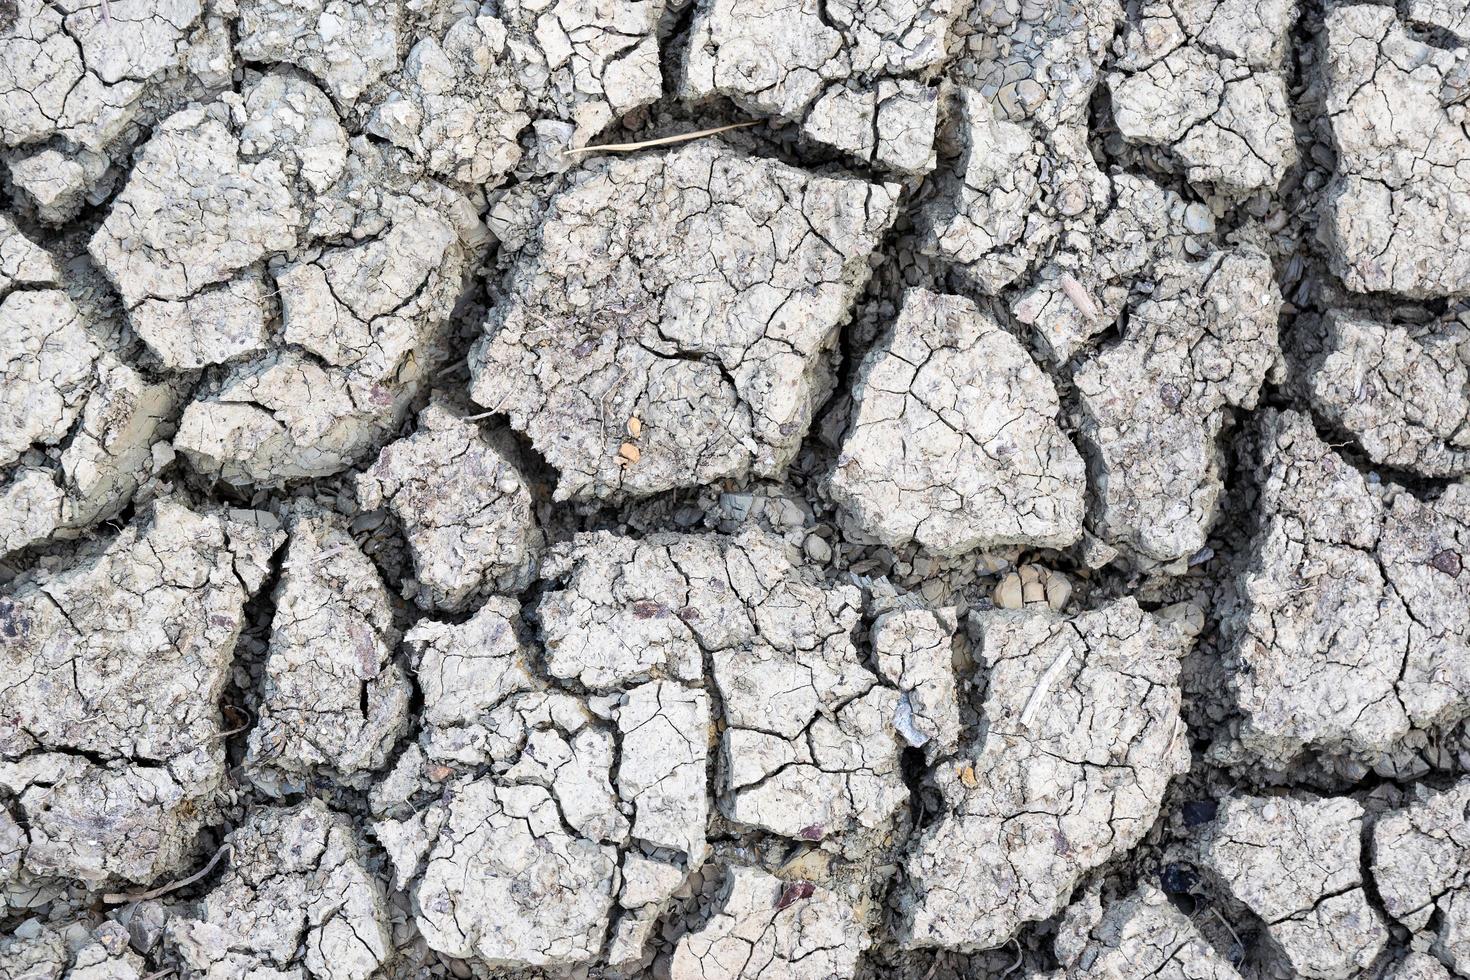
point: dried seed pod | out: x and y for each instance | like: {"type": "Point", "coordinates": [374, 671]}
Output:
{"type": "Point", "coordinates": [1058, 590]}
{"type": "Point", "coordinates": [1079, 296]}
{"type": "Point", "coordinates": [1007, 594]}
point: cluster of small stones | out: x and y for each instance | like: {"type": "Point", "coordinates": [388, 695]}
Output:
{"type": "Point", "coordinates": [998, 506]}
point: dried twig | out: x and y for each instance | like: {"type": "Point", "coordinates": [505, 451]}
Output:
{"type": "Point", "coordinates": [1229, 928]}
{"type": "Point", "coordinates": [1043, 685]}
{"type": "Point", "coordinates": [120, 898]}
{"type": "Point", "coordinates": [1020, 958]}
{"type": "Point", "coordinates": [107, 12]}
{"type": "Point", "coordinates": [451, 369]}
{"type": "Point", "coordinates": [236, 731]}
{"type": "Point", "coordinates": [316, 559]}
{"type": "Point", "coordinates": [661, 141]}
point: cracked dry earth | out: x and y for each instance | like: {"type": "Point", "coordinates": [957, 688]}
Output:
{"type": "Point", "coordinates": [999, 507]}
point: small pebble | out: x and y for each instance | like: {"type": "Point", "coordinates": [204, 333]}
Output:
{"type": "Point", "coordinates": [1199, 219]}
{"type": "Point", "coordinates": [1007, 594]}
{"type": "Point", "coordinates": [818, 550]}
{"type": "Point", "coordinates": [1058, 591]}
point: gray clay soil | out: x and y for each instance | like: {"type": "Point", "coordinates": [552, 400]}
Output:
{"type": "Point", "coordinates": [732, 489]}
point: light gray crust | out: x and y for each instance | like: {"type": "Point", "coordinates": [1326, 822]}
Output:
{"type": "Point", "coordinates": [698, 291]}
{"type": "Point", "coordinates": [1082, 735]}
{"type": "Point", "coordinates": [692, 489]}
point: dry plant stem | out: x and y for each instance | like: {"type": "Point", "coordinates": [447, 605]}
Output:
{"type": "Point", "coordinates": [1043, 685]}
{"type": "Point", "coordinates": [1229, 928]}
{"type": "Point", "coordinates": [661, 141]}
{"type": "Point", "coordinates": [120, 898]}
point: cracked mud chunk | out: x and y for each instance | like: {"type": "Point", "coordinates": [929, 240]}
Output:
{"type": "Point", "coordinates": [46, 371]}
{"type": "Point", "coordinates": [69, 951]}
{"type": "Point", "coordinates": [124, 655]}
{"type": "Point", "coordinates": [59, 389]}
{"type": "Point", "coordinates": [1398, 210]}
{"type": "Point", "coordinates": [368, 320]}
{"type": "Point", "coordinates": [465, 670]}
{"type": "Point", "coordinates": [1204, 80]}
{"type": "Point", "coordinates": [112, 446]}
{"type": "Point", "coordinates": [68, 71]}
{"type": "Point", "coordinates": [288, 118]}
{"type": "Point", "coordinates": [1035, 60]}
{"type": "Point", "coordinates": [811, 747]}
{"type": "Point", "coordinates": [1131, 225]}
{"type": "Point", "coordinates": [1449, 15]}
{"type": "Point", "coordinates": [348, 44]}
{"type": "Point", "coordinates": [365, 306]}
{"type": "Point", "coordinates": [568, 69]}
{"type": "Point", "coordinates": [664, 749]}
{"type": "Point", "coordinates": [1296, 863]}
{"type": "Point", "coordinates": [52, 186]}
{"type": "Point", "coordinates": [1082, 734]}
{"type": "Point", "coordinates": [464, 507]}
{"type": "Point", "coordinates": [334, 701]}
{"type": "Point", "coordinates": [219, 189]}
{"type": "Point", "coordinates": [647, 886]}
{"type": "Point", "coordinates": [1153, 404]}
{"type": "Point", "coordinates": [506, 884]}
{"type": "Point", "coordinates": [13, 839]}
{"type": "Point", "coordinates": [629, 609]}
{"type": "Point", "coordinates": [30, 509]}
{"type": "Point", "coordinates": [670, 322]}
{"type": "Point", "coordinates": [122, 659]}
{"type": "Point", "coordinates": [216, 189]}
{"type": "Point", "coordinates": [1417, 966]}
{"type": "Point", "coordinates": [586, 62]}
{"type": "Point", "coordinates": [891, 126]}
{"type": "Point", "coordinates": [575, 764]}
{"type": "Point", "coordinates": [986, 216]}
{"type": "Point", "coordinates": [34, 951]}
{"type": "Point", "coordinates": [851, 73]}
{"type": "Point", "coordinates": [915, 654]}
{"type": "Point", "coordinates": [768, 928]}
{"type": "Point", "coordinates": [122, 820]}
{"type": "Point", "coordinates": [1348, 628]}
{"type": "Point", "coordinates": [1402, 392]}
{"type": "Point", "coordinates": [193, 212]}
{"type": "Point", "coordinates": [796, 760]}
{"type": "Point", "coordinates": [297, 895]}
{"type": "Point", "coordinates": [281, 417]}
{"type": "Point", "coordinates": [457, 105]}
{"type": "Point", "coordinates": [22, 261]}
{"type": "Point", "coordinates": [954, 440]}
{"type": "Point", "coordinates": [1145, 936]}
{"type": "Point", "coordinates": [212, 326]}
{"type": "Point", "coordinates": [1421, 865]}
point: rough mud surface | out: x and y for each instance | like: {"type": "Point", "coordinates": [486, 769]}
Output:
{"type": "Point", "coordinates": [733, 489]}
